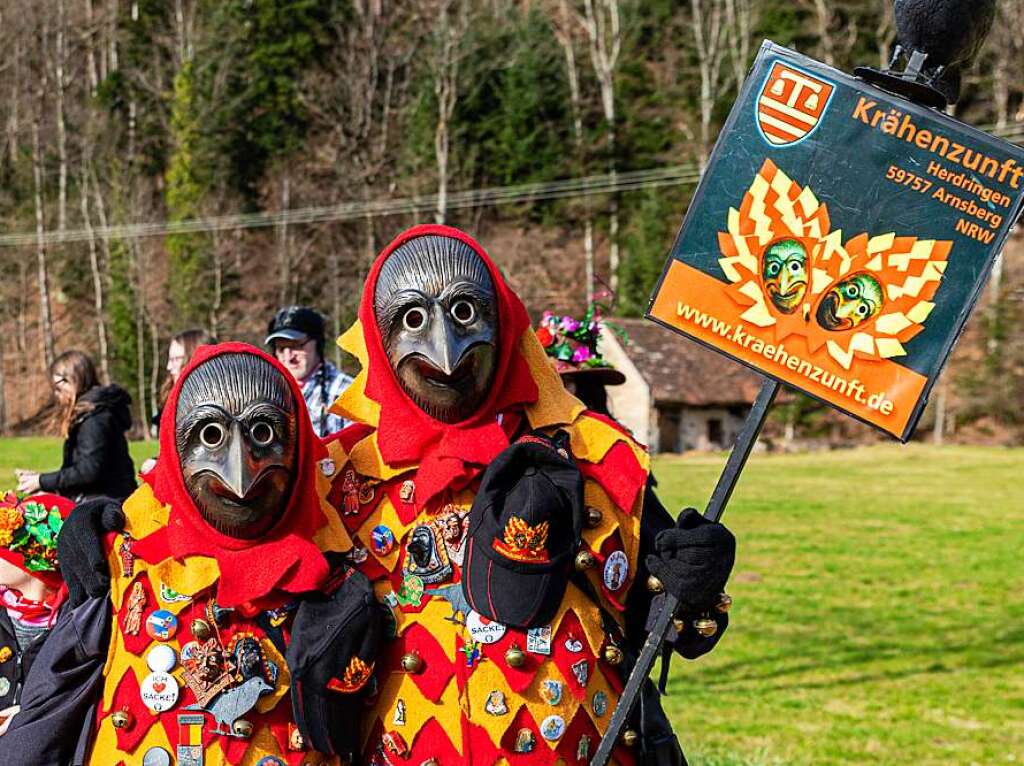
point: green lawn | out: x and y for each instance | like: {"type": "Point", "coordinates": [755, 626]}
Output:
{"type": "Point", "coordinates": [878, 618]}
{"type": "Point", "coordinates": [878, 613]}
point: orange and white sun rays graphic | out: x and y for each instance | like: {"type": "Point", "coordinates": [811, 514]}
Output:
{"type": "Point", "coordinates": [788, 270]}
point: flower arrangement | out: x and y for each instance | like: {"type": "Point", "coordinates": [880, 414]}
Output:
{"type": "Point", "coordinates": [30, 528]}
{"type": "Point", "coordinates": [571, 341]}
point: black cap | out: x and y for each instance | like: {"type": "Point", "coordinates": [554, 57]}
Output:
{"type": "Point", "coordinates": [296, 323]}
{"type": "Point", "coordinates": [524, 530]}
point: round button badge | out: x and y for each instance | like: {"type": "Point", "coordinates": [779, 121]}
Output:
{"type": "Point", "coordinates": [161, 659]}
{"type": "Point", "coordinates": [552, 727]}
{"type": "Point", "coordinates": [159, 691]}
{"type": "Point", "coordinates": [161, 625]}
{"type": "Point", "coordinates": [156, 756]}
{"type": "Point", "coordinates": [382, 539]}
{"type": "Point", "coordinates": [616, 570]}
{"type": "Point", "coordinates": [484, 630]}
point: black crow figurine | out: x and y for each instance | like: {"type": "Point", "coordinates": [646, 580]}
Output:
{"type": "Point", "coordinates": [938, 39]}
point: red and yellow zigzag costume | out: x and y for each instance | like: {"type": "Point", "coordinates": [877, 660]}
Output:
{"type": "Point", "coordinates": [174, 548]}
{"type": "Point", "coordinates": [400, 469]}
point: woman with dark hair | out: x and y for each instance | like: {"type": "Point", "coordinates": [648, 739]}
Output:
{"type": "Point", "coordinates": [179, 352]}
{"type": "Point", "coordinates": [93, 420]}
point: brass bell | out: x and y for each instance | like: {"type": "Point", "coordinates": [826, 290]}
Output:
{"type": "Point", "coordinates": [515, 657]}
{"type": "Point", "coordinates": [121, 719]}
{"type": "Point", "coordinates": [724, 602]}
{"type": "Point", "coordinates": [706, 626]}
{"type": "Point", "coordinates": [242, 728]}
{"type": "Point", "coordinates": [201, 630]}
{"type": "Point", "coordinates": [613, 655]}
{"type": "Point", "coordinates": [412, 662]}
{"type": "Point", "coordinates": [584, 560]}
{"type": "Point", "coordinates": [630, 737]}
{"type": "Point", "coordinates": [594, 516]}
{"type": "Point", "coordinates": [654, 585]}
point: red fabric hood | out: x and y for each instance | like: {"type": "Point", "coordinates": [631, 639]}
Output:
{"type": "Point", "coordinates": [448, 455]}
{"type": "Point", "coordinates": [285, 560]}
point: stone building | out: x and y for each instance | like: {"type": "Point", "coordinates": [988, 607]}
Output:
{"type": "Point", "coordinates": [678, 395]}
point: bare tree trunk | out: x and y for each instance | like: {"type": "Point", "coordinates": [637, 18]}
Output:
{"type": "Point", "coordinates": [91, 68]}
{"type": "Point", "coordinates": [602, 24]}
{"type": "Point", "coordinates": [939, 429]}
{"type": "Point", "coordinates": [283, 255]}
{"type": "Point", "coordinates": [45, 320]}
{"type": "Point", "coordinates": [823, 14]}
{"type": "Point", "coordinates": [140, 332]}
{"type": "Point", "coordinates": [14, 101]}
{"type": "Point", "coordinates": [885, 32]}
{"type": "Point", "coordinates": [446, 90]}
{"type": "Point", "coordinates": [60, 62]}
{"type": "Point", "coordinates": [154, 379]}
{"type": "Point", "coordinates": [563, 32]}
{"type": "Point", "coordinates": [97, 283]}
{"type": "Point", "coordinates": [218, 285]}
{"type": "Point", "coordinates": [708, 32]}
{"type": "Point", "coordinates": [739, 21]}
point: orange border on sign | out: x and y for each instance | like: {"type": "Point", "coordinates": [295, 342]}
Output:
{"type": "Point", "coordinates": [697, 305]}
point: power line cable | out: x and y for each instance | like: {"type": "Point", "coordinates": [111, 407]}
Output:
{"type": "Point", "coordinates": [607, 183]}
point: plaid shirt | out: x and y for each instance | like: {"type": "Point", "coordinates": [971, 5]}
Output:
{"type": "Point", "coordinates": [320, 390]}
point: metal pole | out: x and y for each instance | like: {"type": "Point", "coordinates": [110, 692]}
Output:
{"type": "Point", "coordinates": [741, 449]}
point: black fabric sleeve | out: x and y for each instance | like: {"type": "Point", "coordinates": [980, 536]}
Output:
{"type": "Point", "coordinates": [88, 458]}
{"type": "Point", "coordinates": [62, 690]}
{"type": "Point", "coordinates": [638, 604]}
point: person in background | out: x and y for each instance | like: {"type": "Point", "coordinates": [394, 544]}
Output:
{"type": "Point", "coordinates": [93, 420]}
{"type": "Point", "coordinates": [182, 347]}
{"type": "Point", "coordinates": [296, 336]}
{"type": "Point", "coordinates": [29, 581]}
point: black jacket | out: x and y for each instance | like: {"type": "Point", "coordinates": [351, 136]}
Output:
{"type": "Point", "coordinates": [96, 459]}
{"type": "Point", "coordinates": [16, 668]}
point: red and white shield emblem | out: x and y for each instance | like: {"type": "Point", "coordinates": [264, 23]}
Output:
{"type": "Point", "coordinates": [790, 104]}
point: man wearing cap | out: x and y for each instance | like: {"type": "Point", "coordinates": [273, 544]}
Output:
{"type": "Point", "coordinates": [296, 336]}
{"type": "Point", "coordinates": [511, 531]}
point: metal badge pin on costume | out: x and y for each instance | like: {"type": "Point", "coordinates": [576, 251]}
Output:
{"type": "Point", "coordinates": [230, 705]}
{"type": "Point", "coordinates": [410, 592]}
{"type": "Point", "coordinates": [395, 744]}
{"type": "Point", "coordinates": [484, 630]}
{"type": "Point", "coordinates": [399, 718]}
{"type": "Point", "coordinates": [136, 603]}
{"type": "Point", "coordinates": [170, 596]}
{"type": "Point", "coordinates": [270, 760]}
{"type": "Point", "coordinates": [159, 691]}
{"type": "Point", "coordinates": [327, 467]}
{"type": "Point", "coordinates": [581, 672]}
{"type": "Point", "coordinates": [599, 703]}
{"type": "Point", "coordinates": [426, 555]}
{"type": "Point", "coordinates": [189, 750]}
{"type": "Point", "coordinates": [382, 540]}
{"type": "Point", "coordinates": [161, 625]}
{"type": "Point", "coordinates": [124, 552]}
{"type": "Point", "coordinates": [156, 756]}
{"type": "Point", "coordinates": [496, 704]}
{"type": "Point", "coordinates": [551, 691]}
{"type": "Point", "coordinates": [5, 687]}
{"type": "Point", "coordinates": [583, 748]}
{"type": "Point", "coordinates": [538, 640]}
{"type": "Point", "coordinates": [5, 654]}
{"type": "Point", "coordinates": [573, 644]}
{"type": "Point", "coordinates": [526, 740]}
{"type": "Point", "coordinates": [407, 491]}
{"type": "Point", "coordinates": [161, 659]}
{"type": "Point", "coordinates": [616, 570]}
{"type": "Point", "coordinates": [552, 728]}
{"type": "Point", "coordinates": [472, 651]}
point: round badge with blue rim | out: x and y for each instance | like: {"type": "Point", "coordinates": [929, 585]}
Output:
{"type": "Point", "coordinates": [156, 756]}
{"type": "Point", "coordinates": [161, 625]}
{"type": "Point", "coordinates": [382, 539]}
{"type": "Point", "coordinates": [552, 727]}
{"type": "Point", "coordinates": [161, 659]}
{"type": "Point", "coordinates": [270, 760]}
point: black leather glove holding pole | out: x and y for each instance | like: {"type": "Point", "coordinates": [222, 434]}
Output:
{"type": "Point", "coordinates": [745, 441]}
{"type": "Point", "coordinates": [80, 548]}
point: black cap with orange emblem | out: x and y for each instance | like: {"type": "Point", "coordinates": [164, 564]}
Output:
{"type": "Point", "coordinates": [524, 530]}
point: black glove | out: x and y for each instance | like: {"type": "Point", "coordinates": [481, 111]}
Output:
{"type": "Point", "coordinates": [80, 548]}
{"type": "Point", "coordinates": [693, 560]}
{"type": "Point", "coordinates": [335, 641]}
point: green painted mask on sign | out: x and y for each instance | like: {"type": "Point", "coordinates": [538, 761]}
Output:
{"type": "Point", "coordinates": [784, 272]}
{"type": "Point", "coordinates": [850, 303]}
